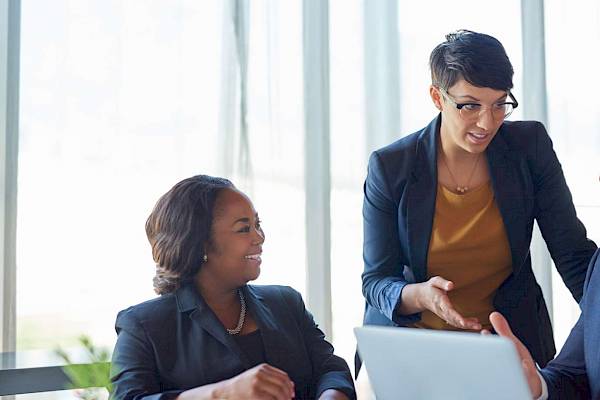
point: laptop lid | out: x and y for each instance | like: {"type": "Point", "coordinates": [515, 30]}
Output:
{"type": "Point", "coordinates": [407, 363]}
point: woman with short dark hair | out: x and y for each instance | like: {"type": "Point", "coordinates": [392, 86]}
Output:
{"type": "Point", "coordinates": [210, 335]}
{"type": "Point", "coordinates": [449, 210]}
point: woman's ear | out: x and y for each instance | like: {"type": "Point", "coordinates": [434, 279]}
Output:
{"type": "Point", "coordinates": [436, 97]}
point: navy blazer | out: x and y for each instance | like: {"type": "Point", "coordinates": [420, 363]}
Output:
{"type": "Point", "coordinates": [575, 373]}
{"type": "Point", "coordinates": [528, 183]}
{"type": "Point", "coordinates": [175, 342]}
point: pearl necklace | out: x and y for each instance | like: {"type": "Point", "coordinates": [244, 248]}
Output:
{"type": "Point", "coordinates": [242, 318]}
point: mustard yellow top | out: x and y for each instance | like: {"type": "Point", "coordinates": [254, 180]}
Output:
{"type": "Point", "coordinates": [469, 247]}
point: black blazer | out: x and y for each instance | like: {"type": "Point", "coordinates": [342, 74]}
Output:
{"type": "Point", "coordinates": [575, 373]}
{"type": "Point", "coordinates": [175, 342]}
{"type": "Point", "coordinates": [528, 183]}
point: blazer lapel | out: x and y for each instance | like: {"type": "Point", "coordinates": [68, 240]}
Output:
{"type": "Point", "coordinates": [275, 347]}
{"type": "Point", "coordinates": [422, 191]}
{"type": "Point", "coordinates": [504, 171]}
{"type": "Point", "coordinates": [190, 300]}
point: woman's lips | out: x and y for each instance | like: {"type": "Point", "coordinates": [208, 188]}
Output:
{"type": "Point", "coordinates": [478, 138]}
{"type": "Point", "coordinates": [253, 257]}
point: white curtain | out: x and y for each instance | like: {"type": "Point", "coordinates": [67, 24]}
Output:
{"type": "Point", "coordinates": [572, 39]}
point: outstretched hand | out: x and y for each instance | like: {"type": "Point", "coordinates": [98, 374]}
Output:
{"type": "Point", "coordinates": [502, 328]}
{"type": "Point", "coordinates": [434, 297]}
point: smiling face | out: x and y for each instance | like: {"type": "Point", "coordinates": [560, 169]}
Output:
{"type": "Point", "coordinates": [462, 135]}
{"type": "Point", "coordinates": [233, 255]}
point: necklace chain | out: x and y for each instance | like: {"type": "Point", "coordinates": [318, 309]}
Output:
{"type": "Point", "coordinates": [461, 189]}
{"type": "Point", "coordinates": [242, 318]}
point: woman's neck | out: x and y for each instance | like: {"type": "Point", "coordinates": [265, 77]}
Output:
{"type": "Point", "coordinates": [214, 292]}
{"type": "Point", "coordinates": [453, 154]}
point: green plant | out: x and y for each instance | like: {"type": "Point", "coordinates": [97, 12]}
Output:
{"type": "Point", "coordinates": [90, 379]}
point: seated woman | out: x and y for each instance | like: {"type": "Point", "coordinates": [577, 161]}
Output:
{"type": "Point", "coordinates": [210, 335]}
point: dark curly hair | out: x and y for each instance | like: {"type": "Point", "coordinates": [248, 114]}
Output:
{"type": "Point", "coordinates": [179, 227]}
{"type": "Point", "coordinates": [477, 58]}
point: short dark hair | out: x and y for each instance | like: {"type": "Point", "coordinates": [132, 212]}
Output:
{"type": "Point", "coordinates": [477, 58]}
{"type": "Point", "coordinates": [179, 228]}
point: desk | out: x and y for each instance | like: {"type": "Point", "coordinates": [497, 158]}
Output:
{"type": "Point", "coordinates": [31, 372]}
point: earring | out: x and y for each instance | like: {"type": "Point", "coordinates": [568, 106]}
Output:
{"type": "Point", "coordinates": [205, 258]}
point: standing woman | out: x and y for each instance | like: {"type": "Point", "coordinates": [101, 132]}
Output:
{"type": "Point", "coordinates": [449, 210]}
{"type": "Point", "coordinates": [210, 335]}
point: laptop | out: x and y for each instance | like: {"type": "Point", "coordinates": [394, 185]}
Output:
{"type": "Point", "coordinates": [408, 363]}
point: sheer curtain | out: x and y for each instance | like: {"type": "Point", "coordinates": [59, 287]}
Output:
{"type": "Point", "coordinates": [572, 35]}
{"type": "Point", "coordinates": [120, 100]}
{"type": "Point", "coordinates": [117, 105]}
{"type": "Point", "coordinates": [276, 137]}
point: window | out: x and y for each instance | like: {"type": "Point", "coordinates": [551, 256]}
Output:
{"type": "Point", "coordinates": [118, 102]}
{"type": "Point", "coordinates": [574, 125]}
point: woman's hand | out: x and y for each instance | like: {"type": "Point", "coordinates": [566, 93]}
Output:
{"type": "Point", "coordinates": [332, 394]}
{"type": "Point", "coordinates": [433, 296]}
{"type": "Point", "coordinates": [262, 382]}
{"type": "Point", "coordinates": [503, 329]}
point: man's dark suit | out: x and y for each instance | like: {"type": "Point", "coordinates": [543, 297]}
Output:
{"type": "Point", "coordinates": [575, 373]}
{"type": "Point", "coordinates": [175, 342]}
{"type": "Point", "coordinates": [528, 184]}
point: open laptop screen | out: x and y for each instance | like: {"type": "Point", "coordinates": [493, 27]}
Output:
{"type": "Point", "coordinates": [408, 363]}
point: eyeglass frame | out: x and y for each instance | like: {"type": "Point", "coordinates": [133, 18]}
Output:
{"type": "Point", "coordinates": [460, 106]}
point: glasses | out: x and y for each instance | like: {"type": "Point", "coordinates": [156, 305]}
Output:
{"type": "Point", "coordinates": [472, 111]}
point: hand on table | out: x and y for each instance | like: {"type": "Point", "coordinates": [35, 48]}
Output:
{"type": "Point", "coordinates": [263, 382]}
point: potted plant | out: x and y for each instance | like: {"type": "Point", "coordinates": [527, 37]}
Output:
{"type": "Point", "coordinates": [91, 380]}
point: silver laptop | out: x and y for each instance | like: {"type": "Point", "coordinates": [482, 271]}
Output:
{"type": "Point", "coordinates": [406, 363]}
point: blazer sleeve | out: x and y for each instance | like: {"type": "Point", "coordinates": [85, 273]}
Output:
{"type": "Point", "coordinates": [554, 211]}
{"type": "Point", "coordinates": [566, 375]}
{"type": "Point", "coordinates": [133, 369]}
{"type": "Point", "coordinates": [329, 370]}
{"type": "Point", "coordinates": [383, 277]}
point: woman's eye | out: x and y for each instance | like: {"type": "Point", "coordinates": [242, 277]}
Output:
{"type": "Point", "coordinates": [472, 107]}
{"type": "Point", "coordinates": [245, 229]}
{"type": "Point", "coordinates": [258, 222]}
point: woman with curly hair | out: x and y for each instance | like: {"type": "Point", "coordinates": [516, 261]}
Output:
{"type": "Point", "coordinates": [210, 334]}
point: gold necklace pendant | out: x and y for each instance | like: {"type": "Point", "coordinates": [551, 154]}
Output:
{"type": "Point", "coordinates": [461, 189]}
